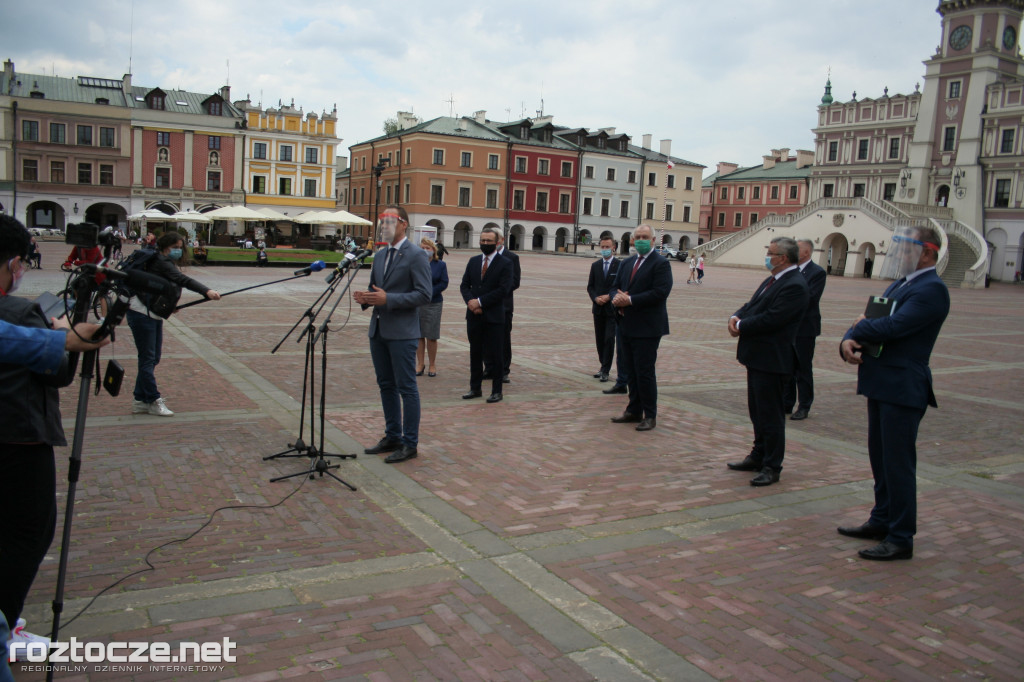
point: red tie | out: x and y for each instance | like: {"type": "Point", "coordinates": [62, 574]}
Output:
{"type": "Point", "coordinates": [771, 281]}
{"type": "Point", "coordinates": [636, 266]}
{"type": "Point", "coordinates": [483, 270]}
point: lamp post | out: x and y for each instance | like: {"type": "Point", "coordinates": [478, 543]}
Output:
{"type": "Point", "coordinates": [382, 163]}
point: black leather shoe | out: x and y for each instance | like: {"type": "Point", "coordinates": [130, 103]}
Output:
{"type": "Point", "coordinates": [471, 395]}
{"type": "Point", "coordinates": [887, 551]}
{"type": "Point", "coordinates": [407, 452]}
{"type": "Point", "coordinates": [801, 413]}
{"type": "Point", "coordinates": [615, 389]}
{"type": "Point", "coordinates": [748, 464]}
{"type": "Point", "coordinates": [495, 398]}
{"type": "Point", "coordinates": [864, 532]}
{"type": "Point", "coordinates": [647, 424]}
{"type": "Point", "coordinates": [598, 375]}
{"type": "Point", "coordinates": [603, 377]}
{"type": "Point", "coordinates": [506, 380]}
{"type": "Point", "coordinates": [385, 444]}
{"type": "Point", "coordinates": [627, 418]}
{"type": "Point", "coordinates": [766, 477]}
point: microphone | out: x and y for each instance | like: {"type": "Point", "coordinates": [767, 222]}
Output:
{"type": "Point", "coordinates": [346, 263]}
{"type": "Point", "coordinates": [315, 266]}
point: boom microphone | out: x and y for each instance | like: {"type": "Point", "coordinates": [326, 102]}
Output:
{"type": "Point", "coordinates": [315, 266]}
{"type": "Point", "coordinates": [346, 263]}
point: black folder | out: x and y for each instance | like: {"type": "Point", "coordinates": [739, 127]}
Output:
{"type": "Point", "coordinates": [878, 306]}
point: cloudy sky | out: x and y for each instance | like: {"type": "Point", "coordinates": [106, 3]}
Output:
{"type": "Point", "coordinates": [725, 81]}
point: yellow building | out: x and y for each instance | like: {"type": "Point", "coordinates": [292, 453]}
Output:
{"type": "Point", "coordinates": [289, 158]}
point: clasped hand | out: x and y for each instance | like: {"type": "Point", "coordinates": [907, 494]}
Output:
{"type": "Point", "coordinates": [376, 297]}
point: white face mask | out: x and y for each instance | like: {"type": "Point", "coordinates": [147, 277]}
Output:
{"type": "Point", "coordinates": [15, 276]}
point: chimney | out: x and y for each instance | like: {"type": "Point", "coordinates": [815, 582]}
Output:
{"type": "Point", "coordinates": [647, 141]}
{"type": "Point", "coordinates": [480, 116]}
{"type": "Point", "coordinates": [225, 93]}
{"type": "Point", "coordinates": [804, 158]}
{"type": "Point", "coordinates": [9, 70]}
{"type": "Point", "coordinates": [463, 124]}
{"type": "Point", "coordinates": [783, 154]}
{"type": "Point", "coordinates": [666, 147]}
{"type": "Point", "coordinates": [407, 120]}
{"type": "Point", "coordinates": [769, 159]}
{"type": "Point", "coordinates": [610, 131]}
{"type": "Point", "coordinates": [726, 167]}
{"type": "Point", "coordinates": [127, 84]}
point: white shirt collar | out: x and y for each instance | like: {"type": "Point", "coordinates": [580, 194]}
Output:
{"type": "Point", "coordinates": [791, 267]}
{"type": "Point", "coordinates": [916, 273]}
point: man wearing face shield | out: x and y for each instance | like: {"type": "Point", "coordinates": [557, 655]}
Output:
{"type": "Point", "coordinates": [898, 385]}
{"type": "Point", "coordinates": [399, 284]}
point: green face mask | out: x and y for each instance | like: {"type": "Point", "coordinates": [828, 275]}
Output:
{"type": "Point", "coordinates": [643, 246]}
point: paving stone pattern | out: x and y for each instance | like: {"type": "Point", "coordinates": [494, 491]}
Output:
{"type": "Point", "coordinates": [533, 539]}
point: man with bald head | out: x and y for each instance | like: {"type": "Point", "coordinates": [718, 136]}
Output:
{"type": "Point", "coordinates": [642, 287]}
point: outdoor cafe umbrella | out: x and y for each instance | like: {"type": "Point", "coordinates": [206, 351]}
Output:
{"type": "Point", "coordinates": [191, 217]}
{"type": "Point", "coordinates": [346, 218]}
{"type": "Point", "coordinates": [235, 213]}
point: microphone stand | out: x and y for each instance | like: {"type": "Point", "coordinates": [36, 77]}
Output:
{"type": "Point", "coordinates": [317, 462]}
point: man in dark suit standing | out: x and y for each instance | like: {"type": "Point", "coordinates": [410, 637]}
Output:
{"type": "Point", "coordinates": [399, 284]}
{"type": "Point", "coordinates": [602, 278]}
{"type": "Point", "coordinates": [506, 364]}
{"type": "Point", "coordinates": [802, 381]}
{"type": "Point", "coordinates": [641, 288]}
{"type": "Point", "coordinates": [766, 327]}
{"type": "Point", "coordinates": [897, 382]}
{"type": "Point", "coordinates": [485, 285]}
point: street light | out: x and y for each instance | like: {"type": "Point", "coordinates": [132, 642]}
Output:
{"type": "Point", "coordinates": [382, 163]}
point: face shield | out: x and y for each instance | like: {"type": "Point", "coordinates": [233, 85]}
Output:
{"type": "Point", "coordinates": [904, 254]}
{"type": "Point", "coordinates": [387, 225]}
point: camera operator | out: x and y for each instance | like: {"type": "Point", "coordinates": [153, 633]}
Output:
{"type": "Point", "coordinates": [42, 350]}
{"type": "Point", "coordinates": [148, 328]}
{"type": "Point", "coordinates": [30, 426]}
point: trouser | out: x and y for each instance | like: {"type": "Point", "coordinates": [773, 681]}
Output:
{"type": "Point", "coordinates": [764, 403]}
{"type": "Point", "coordinates": [892, 449]}
{"type": "Point", "coordinates": [28, 505]}
{"type": "Point", "coordinates": [394, 361]}
{"type": "Point", "coordinates": [604, 336]}
{"type": "Point", "coordinates": [485, 346]}
{"type": "Point", "coordinates": [641, 355]}
{"type": "Point", "coordinates": [801, 384]}
{"type": "Point", "coordinates": [148, 333]}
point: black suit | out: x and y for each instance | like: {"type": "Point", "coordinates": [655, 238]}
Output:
{"type": "Point", "coordinates": [604, 315]}
{"type": "Point", "coordinates": [517, 272]}
{"type": "Point", "coordinates": [641, 326]}
{"type": "Point", "coordinates": [802, 381]}
{"type": "Point", "coordinates": [768, 325]}
{"type": "Point", "coordinates": [486, 330]}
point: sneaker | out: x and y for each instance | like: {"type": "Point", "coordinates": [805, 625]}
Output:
{"type": "Point", "coordinates": [19, 634]}
{"type": "Point", "coordinates": [158, 408]}
{"type": "Point", "coordinates": [139, 407]}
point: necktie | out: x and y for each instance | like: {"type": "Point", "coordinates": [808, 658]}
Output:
{"type": "Point", "coordinates": [483, 270]}
{"type": "Point", "coordinates": [771, 281]}
{"type": "Point", "coordinates": [606, 269]}
{"type": "Point", "coordinates": [388, 258]}
{"type": "Point", "coordinates": [636, 266]}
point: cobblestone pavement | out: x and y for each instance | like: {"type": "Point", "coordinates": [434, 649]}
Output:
{"type": "Point", "coordinates": [532, 539]}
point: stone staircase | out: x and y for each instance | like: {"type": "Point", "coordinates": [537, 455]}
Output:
{"type": "Point", "coordinates": [961, 258]}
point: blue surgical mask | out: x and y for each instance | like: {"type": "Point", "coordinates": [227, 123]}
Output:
{"type": "Point", "coordinates": [606, 253]}
{"type": "Point", "coordinates": [175, 254]}
{"type": "Point", "coordinates": [768, 262]}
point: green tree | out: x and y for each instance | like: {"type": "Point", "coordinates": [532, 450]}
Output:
{"type": "Point", "coordinates": [390, 125]}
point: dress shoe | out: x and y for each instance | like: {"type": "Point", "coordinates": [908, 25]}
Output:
{"type": "Point", "coordinates": [626, 418]}
{"type": "Point", "coordinates": [603, 377]}
{"type": "Point", "coordinates": [495, 398]}
{"type": "Point", "coordinates": [385, 444]}
{"type": "Point", "coordinates": [598, 375]}
{"type": "Point", "coordinates": [647, 424]}
{"type": "Point", "coordinates": [887, 551]}
{"type": "Point", "coordinates": [471, 395]}
{"type": "Point", "coordinates": [748, 464]}
{"type": "Point", "coordinates": [801, 413]}
{"type": "Point", "coordinates": [865, 532]}
{"type": "Point", "coordinates": [766, 477]}
{"type": "Point", "coordinates": [615, 389]}
{"type": "Point", "coordinates": [506, 380]}
{"type": "Point", "coordinates": [407, 452]}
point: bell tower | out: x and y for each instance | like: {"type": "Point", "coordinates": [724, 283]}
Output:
{"type": "Point", "coordinates": [979, 45]}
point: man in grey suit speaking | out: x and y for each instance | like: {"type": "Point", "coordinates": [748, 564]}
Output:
{"type": "Point", "coordinates": [399, 285]}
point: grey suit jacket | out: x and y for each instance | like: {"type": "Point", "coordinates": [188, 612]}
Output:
{"type": "Point", "coordinates": [408, 286]}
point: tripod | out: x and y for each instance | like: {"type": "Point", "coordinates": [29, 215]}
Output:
{"type": "Point", "coordinates": [318, 463]}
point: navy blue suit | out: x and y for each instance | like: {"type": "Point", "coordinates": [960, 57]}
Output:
{"type": "Point", "coordinates": [605, 318]}
{"type": "Point", "coordinates": [641, 326]}
{"type": "Point", "coordinates": [506, 363]}
{"type": "Point", "coordinates": [898, 386]}
{"type": "Point", "coordinates": [768, 326]}
{"type": "Point", "coordinates": [802, 382]}
{"type": "Point", "coordinates": [486, 331]}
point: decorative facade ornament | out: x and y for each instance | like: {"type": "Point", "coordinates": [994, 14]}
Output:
{"type": "Point", "coordinates": [952, 110]}
{"type": "Point", "coordinates": [837, 219]}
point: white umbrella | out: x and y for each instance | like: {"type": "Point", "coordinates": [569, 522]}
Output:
{"type": "Point", "coordinates": [190, 217]}
{"type": "Point", "coordinates": [150, 214]}
{"type": "Point", "coordinates": [346, 218]}
{"type": "Point", "coordinates": [316, 218]}
{"type": "Point", "coordinates": [272, 214]}
{"type": "Point", "coordinates": [235, 213]}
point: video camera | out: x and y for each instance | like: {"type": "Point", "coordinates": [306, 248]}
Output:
{"type": "Point", "coordinates": [88, 235]}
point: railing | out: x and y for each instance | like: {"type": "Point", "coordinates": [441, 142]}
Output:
{"type": "Point", "coordinates": [924, 210]}
{"type": "Point", "coordinates": [974, 278]}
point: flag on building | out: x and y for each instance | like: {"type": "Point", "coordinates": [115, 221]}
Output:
{"type": "Point", "coordinates": [670, 164]}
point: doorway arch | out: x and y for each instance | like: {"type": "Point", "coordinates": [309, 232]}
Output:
{"type": "Point", "coordinates": [835, 247]}
{"type": "Point", "coordinates": [539, 235]}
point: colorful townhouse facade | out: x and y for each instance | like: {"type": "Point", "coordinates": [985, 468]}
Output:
{"type": "Point", "coordinates": [671, 190]}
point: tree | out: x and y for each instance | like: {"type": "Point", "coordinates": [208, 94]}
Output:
{"type": "Point", "coordinates": [390, 126]}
